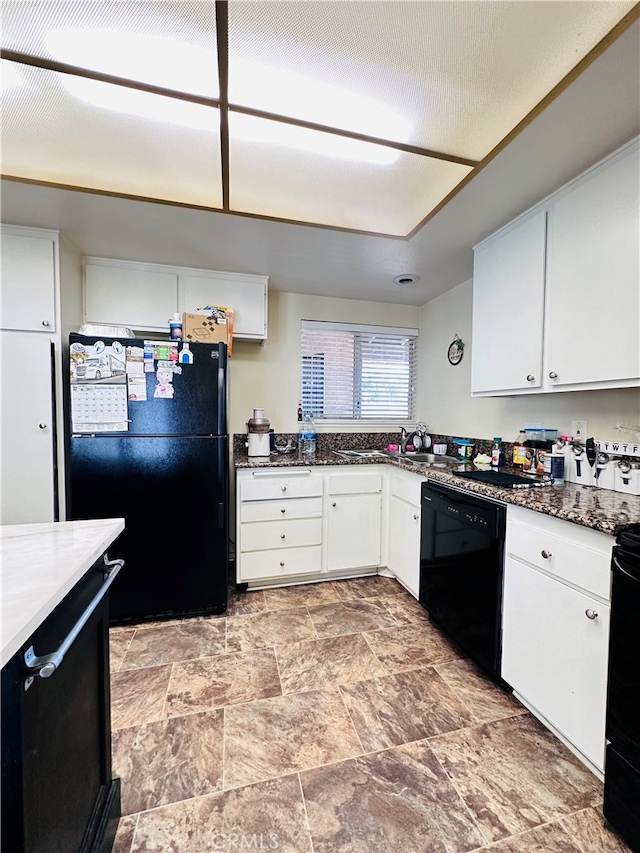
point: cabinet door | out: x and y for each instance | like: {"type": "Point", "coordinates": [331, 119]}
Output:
{"type": "Point", "coordinates": [593, 270]}
{"type": "Point", "coordinates": [404, 543]}
{"type": "Point", "coordinates": [353, 531]}
{"type": "Point", "coordinates": [246, 294]}
{"type": "Point", "coordinates": [133, 296]}
{"type": "Point", "coordinates": [28, 283]}
{"type": "Point", "coordinates": [555, 656]}
{"type": "Point", "coordinates": [28, 432]}
{"type": "Point", "coordinates": [508, 303]}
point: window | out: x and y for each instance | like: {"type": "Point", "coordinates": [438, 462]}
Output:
{"type": "Point", "coordinates": [358, 372]}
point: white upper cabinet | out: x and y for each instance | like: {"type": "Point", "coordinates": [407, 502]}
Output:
{"type": "Point", "coordinates": [593, 279]}
{"type": "Point", "coordinates": [133, 295]}
{"type": "Point", "coordinates": [29, 279]}
{"type": "Point", "coordinates": [247, 294]}
{"type": "Point", "coordinates": [144, 296]}
{"type": "Point", "coordinates": [508, 308]}
{"type": "Point", "coordinates": [558, 308]}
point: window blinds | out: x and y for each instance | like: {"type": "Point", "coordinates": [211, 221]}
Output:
{"type": "Point", "coordinates": [357, 371]}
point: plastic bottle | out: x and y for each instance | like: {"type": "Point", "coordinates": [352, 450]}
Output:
{"type": "Point", "coordinates": [497, 456]}
{"type": "Point", "coordinates": [307, 436]}
{"type": "Point", "coordinates": [299, 412]}
{"type": "Point", "coordinates": [175, 327]}
{"type": "Point", "coordinates": [519, 453]}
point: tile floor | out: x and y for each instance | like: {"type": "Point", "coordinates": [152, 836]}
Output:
{"type": "Point", "coordinates": [333, 718]}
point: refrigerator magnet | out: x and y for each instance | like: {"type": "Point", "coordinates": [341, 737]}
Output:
{"type": "Point", "coordinates": [164, 387]}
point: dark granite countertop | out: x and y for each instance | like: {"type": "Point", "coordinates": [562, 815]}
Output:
{"type": "Point", "coordinates": [599, 509]}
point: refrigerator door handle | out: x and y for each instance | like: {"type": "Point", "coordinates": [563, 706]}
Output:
{"type": "Point", "coordinates": [45, 665]}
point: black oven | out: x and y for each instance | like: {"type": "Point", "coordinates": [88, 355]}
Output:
{"type": "Point", "coordinates": [461, 570]}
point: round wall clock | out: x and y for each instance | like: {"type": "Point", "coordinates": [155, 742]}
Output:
{"type": "Point", "coordinates": [456, 350]}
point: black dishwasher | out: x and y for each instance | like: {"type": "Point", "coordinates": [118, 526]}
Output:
{"type": "Point", "coordinates": [461, 570]}
{"type": "Point", "coordinates": [622, 764]}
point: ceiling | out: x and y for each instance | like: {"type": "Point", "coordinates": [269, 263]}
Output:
{"type": "Point", "coordinates": [75, 166]}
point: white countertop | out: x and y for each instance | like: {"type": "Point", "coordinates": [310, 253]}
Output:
{"type": "Point", "coordinates": [40, 564]}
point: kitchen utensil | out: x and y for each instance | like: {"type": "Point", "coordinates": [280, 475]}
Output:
{"type": "Point", "coordinates": [591, 451]}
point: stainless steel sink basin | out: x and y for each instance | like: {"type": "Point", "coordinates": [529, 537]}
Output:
{"type": "Point", "coordinates": [424, 458]}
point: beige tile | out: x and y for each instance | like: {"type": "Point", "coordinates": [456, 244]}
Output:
{"type": "Point", "coordinates": [138, 696]}
{"type": "Point", "coordinates": [124, 834]}
{"type": "Point", "coordinates": [588, 828]}
{"type": "Point", "coordinates": [242, 603]}
{"type": "Point", "coordinates": [264, 630]}
{"type": "Point", "coordinates": [350, 617]}
{"type": "Point", "coordinates": [319, 664]}
{"type": "Point", "coordinates": [544, 839]}
{"type": "Point", "coordinates": [404, 608]}
{"type": "Point", "coordinates": [396, 801]}
{"type": "Point", "coordinates": [186, 640]}
{"type": "Point", "coordinates": [515, 775]}
{"type": "Point", "coordinates": [269, 816]}
{"type": "Point", "coordinates": [170, 760]}
{"type": "Point", "coordinates": [485, 700]}
{"type": "Point", "coordinates": [300, 596]}
{"type": "Point", "coordinates": [409, 646]}
{"type": "Point", "coordinates": [273, 737]}
{"type": "Point", "coordinates": [119, 641]}
{"type": "Point", "coordinates": [401, 708]}
{"type": "Point", "coordinates": [368, 587]}
{"type": "Point", "coordinates": [201, 685]}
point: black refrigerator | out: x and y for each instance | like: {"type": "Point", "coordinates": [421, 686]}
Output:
{"type": "Point", "coordinates": [148, 442]}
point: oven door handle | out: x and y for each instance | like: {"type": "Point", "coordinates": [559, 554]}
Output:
{"type": "Point", "coordinates": [45, 665]}
{"type": "Point", "coordinates": [630, 571]}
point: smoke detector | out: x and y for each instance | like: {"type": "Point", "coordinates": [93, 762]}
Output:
{"type": "Point", "coordinates": [406, 279]}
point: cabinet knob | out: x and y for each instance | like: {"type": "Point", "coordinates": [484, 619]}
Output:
{"type": "Point", "coordinates": [284, 488]}
{"type": "Point", "coordinates": [553, 375]}
{"type": "Point", "coordinates": [282, 562]}
{"type": "Point", "coordinates": [282, 536]}
{"type": "Point", "coordinates": [591, 614]}
{"type": "Point", "coordinates": [334, 504]}
{"type": "Point", "coordinates": [546, 554]}
{"type": "Point", "coordinates": [530, 377]}
{"type": "Point", "coordinates": [416, 517]}
{"type": "Point", "coordinates": [42, 426]}
{"type": "Point", "coordinates": [45, 322]}
{"type": "Point", "coordinates": [283, 510]}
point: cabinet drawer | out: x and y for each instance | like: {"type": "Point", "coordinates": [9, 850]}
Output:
{"type": "Point", "coordinates": [264, 535]}
{"type": "Point", "coordinates": [407, 488]}
{"type": "Point", "coordinates": [279, 510]}
{"type": "Point", "coordinates": [268, 486]}
{"type": "Point", "coordinates": [272, 564]}
{"type": "Point", "coordinates": [350, 484]}
{"type": "Point", "coordinates": [586, 564]}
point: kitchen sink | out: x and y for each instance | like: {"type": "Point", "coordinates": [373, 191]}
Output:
{"type": "Point", "coordinates": [410, 456]}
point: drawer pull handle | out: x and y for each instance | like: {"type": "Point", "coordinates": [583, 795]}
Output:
{"type": "Point", "coordinates": [282, 562]}
{"type": "Point", "coordinates": [42, 426]}
{"type": "Point", "coordinates": [284, 488]}
{"type": "Point", "coordinates": [282, 535]}
{"type": "Point", "coordinates": [591, 614]}
{"type": "Point", "coordinates": [546, 554]}
{"type": "Point", "coordinates": [334, 504]}
{"type": "Point", "coordinates": [530, 377]}
{"type": "Point", "coordinates": [283, 510]}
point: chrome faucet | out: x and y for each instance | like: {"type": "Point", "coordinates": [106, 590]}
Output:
{"type": "Point", "coordinates": [407, 437]}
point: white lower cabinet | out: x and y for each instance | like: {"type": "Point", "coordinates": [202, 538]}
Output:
{"type": "Point", "coordinates": [403, 548]}
{"type": "Point", "coordinates": [279, 531]}
{"type": "Point", "coordinates": [556, 633]}
{"type": "Point", "coordinates": [354, 515]}
{"type": "Point", "coordinates": [295, 522]}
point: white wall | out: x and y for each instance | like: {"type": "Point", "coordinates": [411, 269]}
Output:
{"type": "Point", "coordinates": [268, 375]}
{"type": "Point", "coordinates": [445, 401]}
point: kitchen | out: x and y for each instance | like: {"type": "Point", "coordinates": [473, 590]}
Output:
{"type": "Point", "coordinates": [273, 367]}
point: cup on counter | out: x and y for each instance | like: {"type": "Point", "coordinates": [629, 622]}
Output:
{"type": "Point", "coordinates": [439, 449]}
